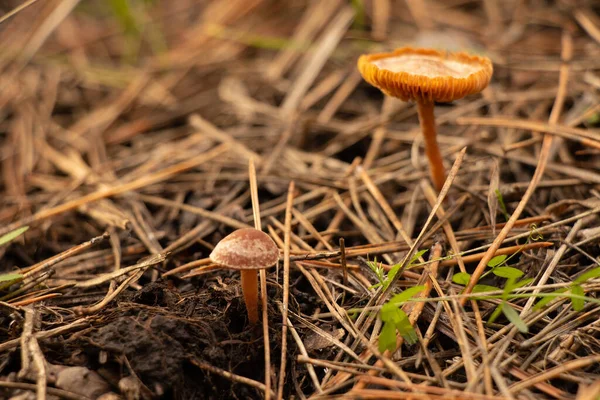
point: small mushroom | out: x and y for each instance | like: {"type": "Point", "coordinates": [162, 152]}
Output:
{"type": "Point", "coordinates": [427, 76]}
{"type": "Point", "coordinates": [247, 250]}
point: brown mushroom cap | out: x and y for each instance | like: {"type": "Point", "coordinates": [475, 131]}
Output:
{"type": "Point", "coordinates": [246, 248]}
{"type": "Point", "coordinates": [426, 74]}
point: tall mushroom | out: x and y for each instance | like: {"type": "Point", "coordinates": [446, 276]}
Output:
{"type": "Point", "coordinates": [247, 250]}
{"type": "Point", "coordinates": [427, 76]}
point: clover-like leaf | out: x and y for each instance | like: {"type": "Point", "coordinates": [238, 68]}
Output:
{"type": "Point", "coordinates": [485, 288]}
{"type": "Point", "coordinates": [461, 278]}
{"type": "Point", "coordinates": [507, 272]}
{"type": "Point", "coordinates": [495, 261]}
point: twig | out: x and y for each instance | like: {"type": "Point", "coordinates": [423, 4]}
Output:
{"type": "Point", "coordinates": [64, 394]}
{"type": "Point", "coordinates": [302, 349]}
{"type": "Point", "coordinates": [229, 375]}
{"type": "Point", "coordinates": [286, 287]}
{"type": "Point", "coordinates": [45, 265]}
{"type": "Point", "coordinates": [263, 277]}
{"type": "Point", "coordinates": [33, 364]}
{"type": "Point", "coordinates": [555, 372]}
{"type": "Point", "coordinates": [16, 10]}
{"type": "Point", "coordinates": [110, 296]}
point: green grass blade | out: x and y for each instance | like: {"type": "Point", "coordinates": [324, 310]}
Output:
{"type": "Point", "coordinates": [495, 314]}
{"type": "Point", "coordinates": [12, 235]}
{"type": "Point", "coordinates": [546, 300]}
{"type": "Point", "coordinates": [591, 274]}
{"type": "Point", "coordinates": [578, 304]}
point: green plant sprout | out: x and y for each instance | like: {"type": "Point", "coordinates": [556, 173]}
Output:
{"type": "Point", "coordinates": [9, 279]}
{"type": "Point", "coordinates": [379, 272]}
{"type": "Point", "coordinates": [576, 289]}
{"type": "Point", "coordinates": [393, 318]}
{"type": "Point", "coordinates": [499, 268]}
{"type": "Point", "coordinates": [385, 280]}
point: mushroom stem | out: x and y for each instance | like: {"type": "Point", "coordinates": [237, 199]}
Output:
{"type": "Point", "coordinates": [250, 292]}
{"type": "Point", "coordinates": [436, 163]}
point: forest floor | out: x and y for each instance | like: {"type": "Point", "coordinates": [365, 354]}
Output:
{"type": "Point", "coordinates": [128, 135]}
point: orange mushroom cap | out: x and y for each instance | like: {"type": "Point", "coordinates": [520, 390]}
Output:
{"type": "Point", "coordinates": [426, 74]}
{"type": "Point", "coordinates": [246, 248]}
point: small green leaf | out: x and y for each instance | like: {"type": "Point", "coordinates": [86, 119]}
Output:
{"type": "Point", "coordinates": [591, 274]}
{"type": "Point", "coordinates": [12, 235]}
{"type": "Point", "coordinates": [578, 304]}
{"type": "Point", "coordinates": [545, 300]}
{"type": "Point", "coordinates": [7, 280]}
{"type": "Point", "coordinates": [405, 329]}
{"type": "Point", "coordinates": [522, 283]}
{"type": "Point", "coordinates": [495, 314]}
{"type": "Point", "coordinates": [494, 262]}
{"type": "Point", "coordinates": [10, 277]}
{"type": "Point", "coordinates": [394, 270]}
{"type": "Point", "coordinates": [507, 272]}
{"type": "Point", "coordinates": [405, 295]}
{"type": "Point", "coordinates": [461, 278]}
{"type": "Point", "coordinates": [391, 275]}
{"type": "Point", "coordinates": [417, 255]}
{"type": "Point", "coordinates": [485, 288]}
{"type": "Point", "coordinates": [514, 317]}
{"type": "Point", "coordinates": [387, 337]}
{"type": "Point", "coordinates": [389, 313]}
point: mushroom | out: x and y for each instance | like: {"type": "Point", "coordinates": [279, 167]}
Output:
{"type": "Point", "coordinates": [427, 76]}
{"type": "Point", "coordinates": [247, 250]}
